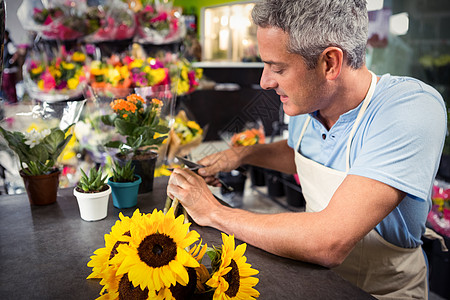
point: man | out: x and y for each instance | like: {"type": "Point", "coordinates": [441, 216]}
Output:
{"type": "Point", "coordinates": [10, 69]}
{"type": "Point", "coordinates": [366, 150]}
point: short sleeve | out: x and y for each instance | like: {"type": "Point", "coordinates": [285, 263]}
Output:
{"type": "Point", "coordinates": [402, 141]}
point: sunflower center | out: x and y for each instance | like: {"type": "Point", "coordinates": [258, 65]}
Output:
{"type": "Point", "coordinates": [157, 250]}
{"type": "Point", "coordinates": [128, 291]}
{"type": "Point", "coordinates": [232, 278]}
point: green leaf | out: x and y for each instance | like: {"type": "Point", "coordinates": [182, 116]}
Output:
{"type": "Point", "coordinates": [123, 173]}
{"type": "Point", "coordinates": [124, 127]}
{"type": "Point", "coordinates": [38, 153]}
{"type": "Point", "coordinates": [108, 120]}
{"type": "Point", "coordinates": [52, 140]}
{"type": "Point", "coordinates": [162, 129]}
{"type": "Point", "coordinates": [113, 144]}
{"type": "Point", "coordinates": [93, 182]}
{"type": "Point", "coordinates": [157, 141]}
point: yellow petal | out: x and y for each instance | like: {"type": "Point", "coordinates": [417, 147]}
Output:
{"type": "Point", "coordinates": [180, 271]}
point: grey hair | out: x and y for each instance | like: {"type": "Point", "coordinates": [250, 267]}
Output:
{"type": "Point", "coordinates": [314, 25]}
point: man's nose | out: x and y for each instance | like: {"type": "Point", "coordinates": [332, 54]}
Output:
{"type": "Point", "coordinates": [266, 82]}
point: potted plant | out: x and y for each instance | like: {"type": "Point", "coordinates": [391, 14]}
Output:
{"type": "Point", "coordinates": [140, 124]}
{"type": "Point", "coordinates": [38, 152]}
{"type": "Point", "coordinates": [124, 185]}
{"type": "Point", "coordinates": [92, 194]}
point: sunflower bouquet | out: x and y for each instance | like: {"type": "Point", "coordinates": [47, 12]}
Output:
{"type": "Point", "coordinates": [156, 256]}
{"type": "Point", "coordinates": [61, 77]}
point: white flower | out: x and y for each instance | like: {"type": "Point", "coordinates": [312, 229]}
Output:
{"type": "Point", "coordinates": [34, 137]}
{"type": "Point", "coordinates": [45, 132]}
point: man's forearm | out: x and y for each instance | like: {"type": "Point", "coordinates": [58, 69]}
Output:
{"type": "Point", "coordinates": [277, 156]}
{"type": "Point", "coordinates": [298, 236]}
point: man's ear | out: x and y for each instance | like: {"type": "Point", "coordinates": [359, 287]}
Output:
{"type": "Point", "coordinates": [330, 62]}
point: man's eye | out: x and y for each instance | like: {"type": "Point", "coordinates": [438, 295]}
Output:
{"type": "Point", "coordinates": [278, 71]}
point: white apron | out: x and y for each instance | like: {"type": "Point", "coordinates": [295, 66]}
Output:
{"type": "Point", "coordinates": [378, 267]}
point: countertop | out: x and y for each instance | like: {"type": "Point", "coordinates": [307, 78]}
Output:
{"type": "Point", "coordinates": [45, 249]}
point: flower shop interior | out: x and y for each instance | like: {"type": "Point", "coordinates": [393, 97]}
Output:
{"type": "Point", "coordinates": [82, 77]}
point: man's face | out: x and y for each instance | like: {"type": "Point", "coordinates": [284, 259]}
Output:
{"type": "Point", "coordinates": [286, 73]}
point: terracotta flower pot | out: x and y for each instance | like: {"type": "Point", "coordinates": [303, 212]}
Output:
{"type": "Point", "coordinates": [41, 189]}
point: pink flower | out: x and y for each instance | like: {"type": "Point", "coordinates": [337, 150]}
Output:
{"type": "Point", "coordinates": [33, 65]}
{"type": "Point", "coordinates": [157, 64]}
{"type": "Point", "coordinates": [62, 85]}
{"type": "Point", "coordinates": [192, 81]}
{"type": "Point", "coordinates": [159, 18]}
{"type": "Point", "coordinates": [140, 78]}
{"type": "Point", "coordinates": [127, 60]}
{"type": "Point", "coordinates": [49, 81]}
{"type": "Point", "coordinates": [48, 20]}
{"type": "Point", "coordinates": [124, 32]}
{"type": "Point", "coordinates": [149, 8]}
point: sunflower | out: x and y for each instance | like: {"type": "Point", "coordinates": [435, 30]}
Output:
{"type": "Point", "coordinates": [232, 275]}
{"type": "Point", "coordinates": [198, 252]}
{"type": "Point", "coordinates": [120, 287]}
{"type": "Point", "coordinates": [119, 232]}
{"type": "Point", "coordinates": [101, 264]}
{"type": "Point", "coordinates": [197, 277]}
{"type": "Point", "coordinates": [155, 256]}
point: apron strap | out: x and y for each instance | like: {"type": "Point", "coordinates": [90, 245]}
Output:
{"type": "Point", "coordinates": [433, 235]}
{"type": "Point", "coordinates": [355, 125]}
{"type": "Point", "coordinates": [302, 132]}
{"type": "Point", "coordinates": [359, 117]}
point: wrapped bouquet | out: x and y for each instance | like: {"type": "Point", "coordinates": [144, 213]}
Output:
{"type": "Point", "coordinates": [57, 77]}
{"type": "Point", "coordinates": [185, 135]}
{"type": "Point", "coordinates": [159, 22]}
{"type": "Point", "coordinates": [439, 216]}
{"type": "Point", "coordinates": [254, 134]}
{"type": "Point", "coordinates": [112, 21]}
{"type": "Point", "coordinates": [57, 19]}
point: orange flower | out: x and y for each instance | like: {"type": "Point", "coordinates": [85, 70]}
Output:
{"type": "Point", "coordinates": [133, 98]}
{"type": "Point", "coordinates": [157, 102]}
{"type": "Point", "coordinates": [248, 137]}
{"type": "Point", "coordinates": [121, 104]}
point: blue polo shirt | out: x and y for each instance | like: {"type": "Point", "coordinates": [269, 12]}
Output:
{"type": "Point", "coordinates": [398, 142]}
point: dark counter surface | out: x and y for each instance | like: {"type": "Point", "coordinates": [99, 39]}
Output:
{"type": "Point", "coordinates": [45, 249]}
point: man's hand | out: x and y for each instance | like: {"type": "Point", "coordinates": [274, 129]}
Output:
{"type": "Point", "coordinates": [224, 161]}
{"type": "Point", "coordinates": [193, 193]}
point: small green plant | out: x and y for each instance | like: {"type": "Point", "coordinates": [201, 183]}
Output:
{"type": "Point", "coordinates": [38, 151]}
{"type": "Point", "coordinates": [123, 173]}
{"type": "Point", "coordinates": [94, 182]}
